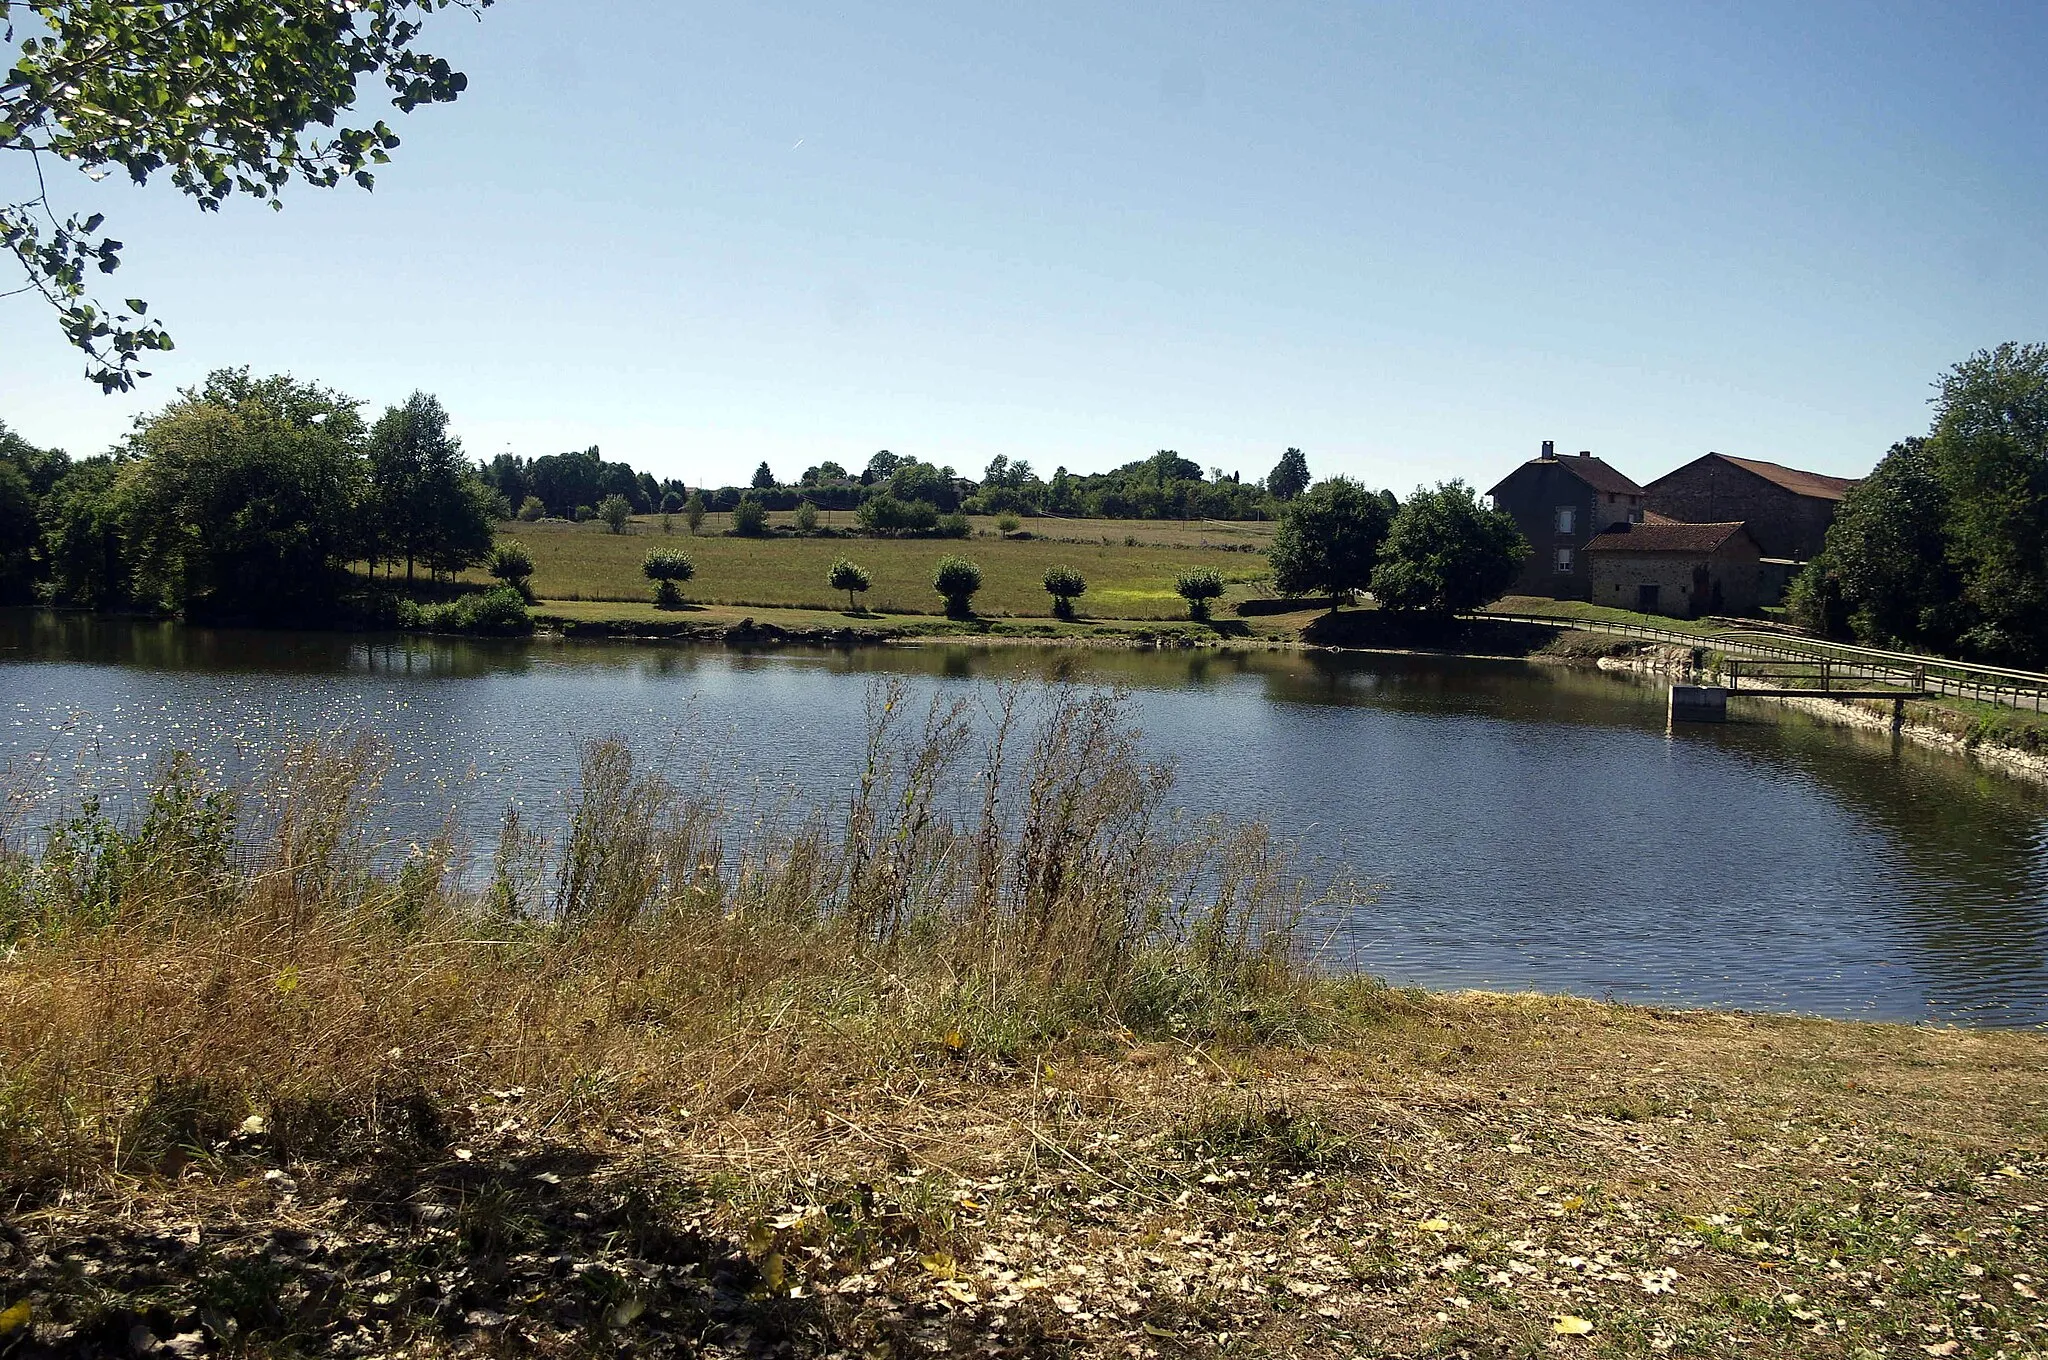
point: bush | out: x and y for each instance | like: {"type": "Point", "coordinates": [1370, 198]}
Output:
{"type": "Point", "coordinates": [750, 517]}
{"type": "Point", "coordinates": [492, 613]}
{"type": "Point", "coordinates": [884, 514]}
{"type": "Point", "coordinates": [957, 579]}
{"type": "Point", "coordinates": [954, 525]}
{"type": "Point", "coordinates": [806, 518]}
{"type": "Point", "coordinates": [584, 513]}
{"type": "Point", "coordinates": [671, 504]}
{"type": "Point", "coordinates": [849, 578]}
{"type": "Point", "coordinates": [693, 511]}
{"type": "Point", "coordinates": [1065, 585]}
{"type": "Point", "coordinates": [1009, 524]}
{"type": "Point", "coordinates": [615, 511]}
{"type": "Point", "coordinates": [531, 509]}
{"type": "Point", "coordinates": [1198, 586]}
{"type": "Point", "coordinates": [665, 567]}
{"type": "Point", "coordinates": [512, 563]}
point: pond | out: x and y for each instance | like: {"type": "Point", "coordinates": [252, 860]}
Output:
{"type": "Point", "coordinates": [1525, 826]}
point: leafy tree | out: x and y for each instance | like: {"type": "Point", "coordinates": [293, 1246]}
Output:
{"type": "Point", "coordinates": [665, 567]}
{"type": "Point", "coordinates": [1008, 524]}
{"type": "Point", "coordinates": [85, 548]}
{"type": "Point", "coordinates": [957, 579]}
{"type": "Point", "coordinates": [425, 503]}
{"type": "Point", "coordinates": [880, 467]}
{"type": "Point", "coordinates": [750, 517]}
{"type": "Point", "coordinates": [954, 525]}
{"type": "Point", "coordinates": [531, 509]}
{"type": "Point", "coordinates": [1289, 477]}
{"type": "Point", "coordinates": [615, 511]}
{"type": "Point", "coordinates": [512, 562]}
{"type": "Point", "coordinates": [1885, 574]}
{"type": "Point", "coordinates": [764, 480]}
{"type": "Point", "coordinates": [1198, 586]}
{"type": "Point", "coordinates": [672, 503]}
{"type": "Point", "coordinates": [1328, 541]}
{"type": "Point", "coordinates": [1990, 448]}
{"type": "Point", "coordinates": [19, 534]}
{"type": "Point", "coordinates": [1445, 553]}
{"type": "Point", "coordinates": [584, 514]}
{"type": "Point", "coordinates": [806, 518]}
{"type": "Point", "coordinates": [1065, 585]}
{"type": "Point", "coordinates": [850, 578]}
{"type": "Point", "coordinates": [245, 499]}
{"type": "Point", "coordinates": [693, 511]}
{"type": "Point", "coordinates": [222, 97]}
{"type": "Point", "coordinates": [884, 514]}
{"type": "Point", "coordinates": [914, 481]}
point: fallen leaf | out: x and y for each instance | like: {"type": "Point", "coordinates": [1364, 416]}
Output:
{"type": "Point", "coordinates": [1566, 1324]}
{"type": "Point", "coordinates": [1943, 1348]}
{"type": "Point", "coordinates": [14, 1319]}
{"type": "Point", "coordinates": [1435, 1225]}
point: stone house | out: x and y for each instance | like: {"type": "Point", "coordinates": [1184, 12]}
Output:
{"type": "Point", "coordinates": [1787, 511]}
{"type": "Point", "coordinates": [1683, 570]}
{"type": "Point", "coordinates": [1560, 504]}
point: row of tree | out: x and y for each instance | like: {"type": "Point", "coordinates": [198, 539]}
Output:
{"type": "Point", "coordinates": [1944, 548]}
{"type": "Point", "coordinates": [1441, 551]}
{"type": "Point", "coordinates": [245, 498]}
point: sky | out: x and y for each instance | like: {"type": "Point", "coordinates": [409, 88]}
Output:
{"type": "Point", "coordinates": [1414, 241]}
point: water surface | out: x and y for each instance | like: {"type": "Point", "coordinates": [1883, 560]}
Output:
{"type": "Point", "coordinates": [1527, 826]}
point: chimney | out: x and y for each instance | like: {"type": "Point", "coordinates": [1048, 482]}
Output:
{"type": "Point", "coordinates": [1550, 448]}
{"type": "Point", "coordinates": [1585, 453]}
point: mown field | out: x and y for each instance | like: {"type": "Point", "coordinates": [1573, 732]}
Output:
{"type": "Point", "coordinates": [1125, 580]}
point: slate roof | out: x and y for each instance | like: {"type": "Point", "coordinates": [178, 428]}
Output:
{"type": "Point", "coordinates": [1815, 484]}
{"type": "Point", "coordinates": [1669, 537]}
{"type": "Point", "coordinates": [1592, 471]}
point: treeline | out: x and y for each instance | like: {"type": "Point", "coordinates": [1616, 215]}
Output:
{"type": "Point", "coordinates": [244, 499]}
{"type": "Point", "coordinates": [1944, 548]}
{"type": "Point", "coordinates": [1164, 486]}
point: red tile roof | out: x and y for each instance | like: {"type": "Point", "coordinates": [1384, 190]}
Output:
{"type": "Point", "coordinates": [1816, 484]}
{"type": "Point", "coordinates": [1671, 537]}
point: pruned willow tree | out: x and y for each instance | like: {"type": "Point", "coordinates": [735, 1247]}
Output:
{"type": "Point", "coordinates": [223, 97]}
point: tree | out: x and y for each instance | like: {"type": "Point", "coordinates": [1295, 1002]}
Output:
{"type": "Point", "coordinates": [531, 509]}
{"type": "Point", "coordinates": [1289, 477]}
{"type": "Point", "coordinates": [884, 514]}
{"type": "Point", "coordinates": [693, 511]}
{"type": "Point", "coordinates": [764, 480]}
{"type": "Point", "coordinates": [424, 500]}
{"type": "Point", "coordinates": [850, 578]}
{"type": "Point", "coordinates": [957, 579]}
{"type": "Point", "coordinates": [615, 511]}
{"type": "Point", "coordinates": [1446, 553]}
{"type": "Point", "coordinates": [806, 518]}
{"type": "Point", "coordinates": [1328, 541]}
{"type": "Point", "coordinates": [1884, 573]}
{"type": "Point", "coordinates": [665, 567]}
{"type": "Point", "coordinates": [18, 534]}
{"type": "Point", "coordinates": [913, 481]}
{"type": "Point", "coordinates": [1198, 586]}
{"type": "Point", "coordinates": [1065, 585]}
{"type": "Point", "coordinates": [512, 562]}
{"type": "Point", "coordinates": [222, 97]}
{"type": "Point", "coordinates": [750, 517]}
{"type": "Point", "coordinates": [245, 500]}
{"type": "Point", "coordinates": [1989, 447]}
{"type": "Point", "coordinates": [84, 539]}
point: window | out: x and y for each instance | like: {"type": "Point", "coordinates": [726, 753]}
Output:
{"type": "Point", "coordinates": [1567, 520]}
{"type": "Point", "coordinates": [1564, 560]}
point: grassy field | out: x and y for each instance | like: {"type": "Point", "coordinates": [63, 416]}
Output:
{"type": "Point", "coordinates": [914, 1087]}
{"type": "Point", "coordinates": [585, 562]}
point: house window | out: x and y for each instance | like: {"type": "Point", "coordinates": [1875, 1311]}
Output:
{"type": "Point", "coordinates": [1567, 519]}
{"type": "Point", "coordinates": [1564, 560]}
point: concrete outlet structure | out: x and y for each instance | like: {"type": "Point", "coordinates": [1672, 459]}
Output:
{"type": "Point", "coordinates": [1699, 703]}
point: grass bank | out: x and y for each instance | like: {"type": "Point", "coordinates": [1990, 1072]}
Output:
{"type": "Point", "coordinates": [997, 1054]}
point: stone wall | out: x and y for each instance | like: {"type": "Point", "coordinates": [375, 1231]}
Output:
{"type": "Point", "coordinates": [1710, 491]}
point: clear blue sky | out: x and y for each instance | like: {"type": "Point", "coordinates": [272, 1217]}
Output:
{"type": "Point", "coordinates": [1412, 240]}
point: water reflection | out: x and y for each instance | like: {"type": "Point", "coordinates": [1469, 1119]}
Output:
{"type": "Point", "coordinates": [1532, 826]}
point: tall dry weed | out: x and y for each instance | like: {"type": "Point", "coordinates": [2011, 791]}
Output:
{"type": "Point", "coordinates": [997, 878]}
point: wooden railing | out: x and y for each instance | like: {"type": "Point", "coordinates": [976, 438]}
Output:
{"type": "Point", "coordinates": [1999, 685]}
